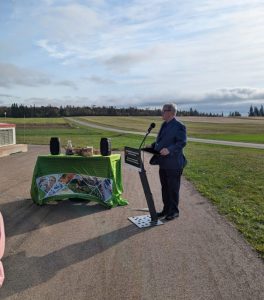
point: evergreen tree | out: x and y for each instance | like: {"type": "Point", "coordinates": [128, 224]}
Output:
{"type": "Point", "coordinates": [256, 111]}
{"type": "Point", "coordinates": [251, 111]}
{"type": "Point", "coordinates": [261, 111]}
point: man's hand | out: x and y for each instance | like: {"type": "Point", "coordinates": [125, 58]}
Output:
{"type": "Point", "coordinates": [164, 151]}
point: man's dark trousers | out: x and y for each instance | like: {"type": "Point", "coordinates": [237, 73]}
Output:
{"type": "Point", "coordinates": [170, 186]}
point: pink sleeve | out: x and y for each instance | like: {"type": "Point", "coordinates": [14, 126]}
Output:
{"type": "Point", "coordinates": [2, 248]}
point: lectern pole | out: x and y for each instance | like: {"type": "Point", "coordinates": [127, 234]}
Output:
{"type": "Point", "coordinates": [148, 194]}
{"type": "Point", "coordinates": [133, 158]}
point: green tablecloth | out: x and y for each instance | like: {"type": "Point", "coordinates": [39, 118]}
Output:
{"type": "Point", "coordinates": [96, 178]}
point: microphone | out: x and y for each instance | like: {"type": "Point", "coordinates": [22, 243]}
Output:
{"type": "Point", "coordinates": [151, 126]}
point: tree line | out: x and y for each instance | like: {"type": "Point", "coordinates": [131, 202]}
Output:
{"type": "Point", "coordinates": [20, 111]}
{"type": "Point", "coordinates": [255, 111]}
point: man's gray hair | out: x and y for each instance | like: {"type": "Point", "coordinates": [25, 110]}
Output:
{"type": "Point", "coordinates": [170, 106]}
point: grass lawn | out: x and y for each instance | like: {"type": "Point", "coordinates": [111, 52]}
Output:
{"type": "Point", "coordinates": [232, 178]}
{"type": "Point", "coordinates": [79, 136]}
{"type": "Point", "coordinates": [243, 130]}
{"type": "Point", "coordinates": [33, 121]}
{"type": "Point", "coordinates": [125, 123]}
{"type": "Point", "coordinates": [240, 132]}
{"type": "Point", "coordinates": [40, 130]}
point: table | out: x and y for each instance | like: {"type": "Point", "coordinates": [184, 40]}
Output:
{"type": "Point", "coordinates": [97, 178]}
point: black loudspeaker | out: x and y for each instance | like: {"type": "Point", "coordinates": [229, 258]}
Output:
{"type": "Point", "coordinates": [105, 146]}
{"type": "Point", "coordinates": [54, 145]}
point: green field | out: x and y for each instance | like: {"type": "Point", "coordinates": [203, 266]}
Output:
{"type": "Point", "coordinates": [242, 130]}
{"type": "Point", "coordinates": [33, 121]}
{"type": "Point", "coordinates": [231, 177]}
{"type": "Point", "coordinates": [40, 130]}
{"type": "Point", "coordinates": [125, 123]}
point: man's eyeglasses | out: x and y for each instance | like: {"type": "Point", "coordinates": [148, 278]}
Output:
{"type": "Point", "coordinates": [164, 110]}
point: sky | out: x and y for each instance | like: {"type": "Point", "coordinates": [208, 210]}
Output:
{"type": "Point", "coordinates": [202, 54]}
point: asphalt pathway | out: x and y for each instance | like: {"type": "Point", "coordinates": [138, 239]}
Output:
{"type": "Point", "coordinates": [207, 141]}
{"type": "Point", "coordinates": [78, 250]}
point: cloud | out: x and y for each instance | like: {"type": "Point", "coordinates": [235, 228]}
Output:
{"type": "Point", "coordinates": [245, 93]}
{"type": "Point", "coordinates": [222, 100]}
{"type": "Point", "coordinates": [12, 75]}
{"type": "Point", "coordinates": [107, 33]}
{"type": "Point", "coordinates": [69, 21]}
{"type": "Point", "coordinates": [5, 95]}
{"type": "Point", "coordinates": [62, 101]}
{"type": "Point", "coordinates": [138, 52]}
{"type": "Point", "coordinates": [67, 83]}
{"type": "Point", "coordinates": [40, 101]}
{"type": "Point", "coordinates": [121, 36]}
{"type": "Point", "coordinates": [126, 61]}
{"type": "Point", "coordinates": [8, 99]}
{"type": "Point", "coordinates": [233, 96]}
{"type": "Point", "coordinates": [49, 2]}
{"type": "Point", "coordinates": [54, 50]}
{"type": "Point", "coordinates": [100, 80]}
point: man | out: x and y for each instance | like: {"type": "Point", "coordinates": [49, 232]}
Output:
{"type": "Point", "coordinates": [170, 142]}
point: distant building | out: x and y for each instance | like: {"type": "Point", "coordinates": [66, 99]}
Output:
{"type": "Point", "coordinates": [7, 134]}
{"type": "Point", "coordinates": [8, 143]}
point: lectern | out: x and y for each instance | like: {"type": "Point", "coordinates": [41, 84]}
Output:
{"type": "Point", "coordinates": [133, 158]}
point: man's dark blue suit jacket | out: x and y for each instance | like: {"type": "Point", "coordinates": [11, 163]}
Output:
{"type": "Point", "coordinates": [172, 135]}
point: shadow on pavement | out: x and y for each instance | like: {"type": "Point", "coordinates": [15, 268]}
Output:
{"type": "Point", "coordinates": [45, 267]}
{"type": "Point", "coordinates": [23, 216]}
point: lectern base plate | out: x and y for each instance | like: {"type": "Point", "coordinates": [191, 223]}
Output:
{"type": "Point", "coordinates": [144, 221]}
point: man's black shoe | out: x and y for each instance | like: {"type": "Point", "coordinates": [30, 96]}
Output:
{"type": "Point", "coordinates": [172, 216]}
{"type": "Point", "coordinates": [161, 214]}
